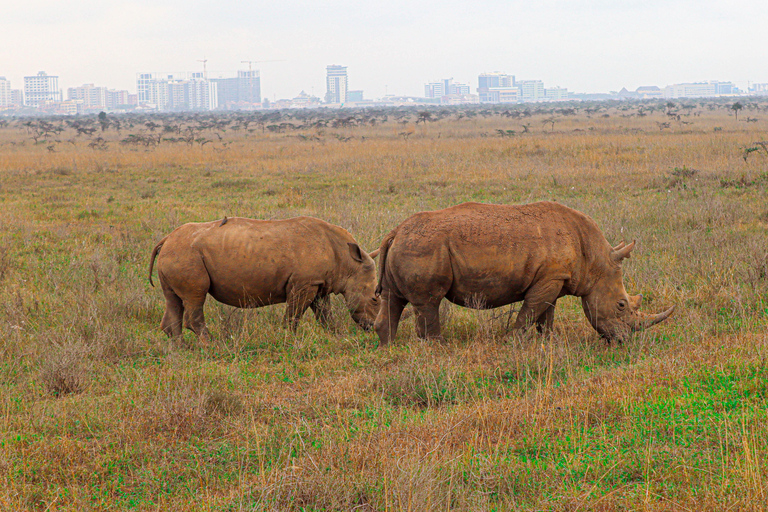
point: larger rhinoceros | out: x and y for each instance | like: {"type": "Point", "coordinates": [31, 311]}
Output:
{"type": "Point", "coordinates": [486, 256]}
{"type": "Point", "coordinates": [251, 263]}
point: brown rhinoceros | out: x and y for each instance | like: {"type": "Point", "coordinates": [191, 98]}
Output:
{"type": "Point", "coordinates": [251, 263]}
{"type": "Point", "coordinates": [483, 255]}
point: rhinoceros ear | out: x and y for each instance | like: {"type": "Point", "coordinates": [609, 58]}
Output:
{"type": "Point", "coordinates": [355, 252]}
{"type": "Point", "coordinates": [622, 252]}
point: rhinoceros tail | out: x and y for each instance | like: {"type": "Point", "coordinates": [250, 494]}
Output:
{"type": "Point", "coordinates": [383, 250]}
{"type": "Point", "coordinates": [154, 255]}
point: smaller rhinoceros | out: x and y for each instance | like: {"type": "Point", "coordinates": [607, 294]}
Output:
{"type": "Point", "coordinates": [250, 263]}
{"type": "Point", "coordinates": [483, 255]}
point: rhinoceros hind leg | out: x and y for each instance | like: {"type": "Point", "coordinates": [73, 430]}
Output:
{"type": "Point", "coordinates": [321, 307]}
{"type": "Point", "coordinates": [298, 299]}
{"type": "Point", "coordinates": [389, 317]}
{"type": "Point", "coordinates": [194, 318]}
{"type": "Point", "coordinates": [428, 321]}
{"type": "Point", "coordinates": [174, 313]}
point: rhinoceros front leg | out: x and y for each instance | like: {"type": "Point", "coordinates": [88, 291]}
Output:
{"type": "Point", "coordinates": [539, 306]}
{"type": "Point", "coordinates": [546, 321]}
{"type": "Point", "coordinates": [321, 307]}
{"type": "Point", "coordinates": [299, 299]}
{"type": "Point", "coordinates": [388, 319]}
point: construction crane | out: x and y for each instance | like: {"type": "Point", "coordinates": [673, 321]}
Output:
{"type": "Point", "coordinates": [205, 71]}
{"type": "Point", "coordinates": [252, 62]}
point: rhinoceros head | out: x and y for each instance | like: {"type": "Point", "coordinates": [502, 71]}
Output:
{"type": "Point", "coordinates": [612, 312]}
{"type": "Point", "coordinates": [360, 291]}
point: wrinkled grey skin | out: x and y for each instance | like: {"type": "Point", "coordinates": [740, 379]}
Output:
{"type": "Point", "coordinates": [481, 255]}
{"type": "Point", "coordinates": [251, 263]}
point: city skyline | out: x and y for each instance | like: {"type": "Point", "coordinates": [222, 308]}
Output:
{"type": "Point", "coordinates": [492, 87]}
{"type": "Point", "coordinates": [195, 91]}
{"type": "Point", "coordinates": [395, 47]}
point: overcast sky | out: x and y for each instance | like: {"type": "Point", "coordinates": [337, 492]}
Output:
{"type": "Point", "coordinates": [394, 46]}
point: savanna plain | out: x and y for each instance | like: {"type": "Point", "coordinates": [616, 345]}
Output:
{"type": "Point", "coordinates": [99, 410]}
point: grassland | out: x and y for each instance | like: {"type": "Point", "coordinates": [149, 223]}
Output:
{"type": "Point", "coordinates": [100, 411]}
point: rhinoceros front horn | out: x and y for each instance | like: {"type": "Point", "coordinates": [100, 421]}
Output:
{"type": "Point", "coordinates": [647, 321]}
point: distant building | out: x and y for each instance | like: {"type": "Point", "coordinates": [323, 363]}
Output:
{"type": "Point", "coordinates": [40, 89]}
{"type": "Point", "coordinates": [176, 91]}
{"type": "Point", "coordinates": [446, 91]}
{"type": "Point", "coordinates": [531, 90]}
{"type": "Point", "coordinates": [438, 89]}
{"type": "Point", "coordinates": [152, 88]}
{"type": "Point", "coordinates": [118, 99]}
{"type": "Point", "coordinates": [499, 95]}
{"type": "Point", "coordinates": [68, 107]}
{"type": "Point", "coordinates": [304, 100]}
{"type": "Point", "coordinates": [355, 96]}
{"type": "Point", "coordinates": [92, 97]}
{"type": "Point", "coordinates": [497, 88]}
{"type": "Point", "coordinates": [17, 98]}
{"type": "Point", "coordinates": [700, 89]}
{"type": "Point", "coordinates": [460, 90]}
{"type": "Point", "coordinates": [759, 89]}
{"type": "Point", "coordinates": [649, 91]}
{"type": "Point", "coordinates": [496, 79]}
{"type": "Point", "coordinates": [241, 92]}
{"type": "Point", "coordinates": [460, 99]}
{"type": "Point", "coordinates": [249, 86]}
{"type": "Point", "coordinates": [556, 93]}
{"type": "Point", "coordinates": [5, 92]}
{"type": "Point", "coordinates": [336, 84]}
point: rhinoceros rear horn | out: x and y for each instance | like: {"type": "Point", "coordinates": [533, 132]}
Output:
{"type": "Point", "coordinates": [373, 254]}
{"type": "Point", "coordinates": [647, 321]}
{"type": "Point", "coordinates": [622, 252]}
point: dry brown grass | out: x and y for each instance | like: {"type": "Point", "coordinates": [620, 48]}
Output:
{"type": "Point", "coordinates": [99, 410]}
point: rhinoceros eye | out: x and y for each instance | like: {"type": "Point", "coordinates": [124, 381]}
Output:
{"type": "Point", "coordinates": [622, 305]}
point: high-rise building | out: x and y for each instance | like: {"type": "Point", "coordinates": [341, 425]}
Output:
{"type": "Point", "coordinates": [92, 97]}
{"type": "Point", "coordinates": [249, 86]}
{"type": "Point", "coordinates": [41, 88]}
{"type": "Point", "coordinates": [460, 89]}
{"type": "Point", "coordinates": [5, 92]}
{"type": "Point", "coordinates": [531, 90]}
{"type": "Point", "coordinates": [497, 88]}
{"type": "Point", "coordinates": [243, 91]}
{"type": "Point", "coordinates": [117, 99]}
{"type": "Point", "coordinates": [494, 80]}
{"type": "Point", "coordinates": [438, 89]}
{"type": "Point", "coordinates": [176, 91]}
{"type": "Point", "coordinates": [17, 98]}
{"type": "Point", "coordinates": [336, 84]}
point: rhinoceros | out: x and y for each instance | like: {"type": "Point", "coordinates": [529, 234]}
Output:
{"type": "Point", "coordinates": [251, 263]}
{"type": "Point", "coordinates": [487, 256]}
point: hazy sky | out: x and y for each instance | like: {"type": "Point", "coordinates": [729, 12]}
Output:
{"type": "Point", "coordinates": [394, 45]}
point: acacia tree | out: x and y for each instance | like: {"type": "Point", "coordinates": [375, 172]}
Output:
{"type": "Point", "coordinates": [736, 107]}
